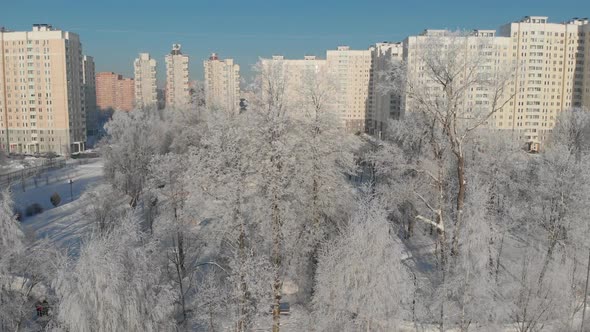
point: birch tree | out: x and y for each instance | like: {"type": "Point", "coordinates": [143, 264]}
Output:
{"type": "Point", "coordinates": [361, 281]}
{"type": "Point", "coordinates": [175, 228]}
{"type": "Point", "coordinates": [325, 161]}
{"type": "Point", "coordinates": [114, 285]}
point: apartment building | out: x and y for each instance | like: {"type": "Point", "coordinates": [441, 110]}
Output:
{"type": "Point", "coordinates": [550, 72]}
{"type": "Point", "coordinates": [222, 83]}
{"type": "Point", "coordinates": [353, 73]}
{"type": "Point", "coordinates": [383, 104]}
{"type": "Point", "coordinates": [42, 106]}
{"type": "Point", "coordinates": [89, 85]}
{"type": "Point", "coordinates": [345, 74]}
{"type": "Point", "coordinates": [145, 81]}
{"type": "Point", "coordinates": [549, 63]}
{"type": "Point", "coordinates": [476, 57]}
{"type": "Point", "coordinates": [177, 79]}
{"type": "Point", "coordinates": [294, 76]}
{"type": "Point", "coordinates": [113, 91]}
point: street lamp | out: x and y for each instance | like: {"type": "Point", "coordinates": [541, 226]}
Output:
{"type": "Point", "coordinates": [71, 182]}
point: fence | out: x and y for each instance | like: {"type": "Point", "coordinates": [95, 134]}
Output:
{"type": "Point", "coordinates": [22, 175]}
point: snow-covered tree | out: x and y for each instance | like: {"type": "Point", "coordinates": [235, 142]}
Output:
{"type": "Point", "coordinates": [362, 282]}
{"type": "Point", "coordinates": [453, 66]}
{"type": "Point", "coordinates": [115, 285]}
{"type": "Point", "coordinates": [325, 162]}
{"type": "Point", "coordinates": [175, 227]}
{"type": "Point", "coordinates": [131, 143]}
{"type": "Point", "coordinates": [104, 210]}
{"type": "Point", "coordinates": [26, 270]}
{"type": "Point", "coordinates": [11, 235]}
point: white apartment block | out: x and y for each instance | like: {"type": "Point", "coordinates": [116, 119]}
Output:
{"type": "Point", "coordinates": [550, 66]}
{"type": "Point", "coordinates": [550, 76]}
{"type": "Point", "coordinates": [295, 75]}
{"type": "Point", "coordinates": [41, 91]}
{"type": "Point", "coordinates": [145, 81]}
{"type": "Point", "coordinates": [345, 74]}
{"type": "Point", "coordinates": [477, 54]}
{"type": "Point", "coordinates": [222, 83]}
{"type": "Point", "coordinates": [353, 74]}
{"type": "Point", "coordinates": [177, 79]}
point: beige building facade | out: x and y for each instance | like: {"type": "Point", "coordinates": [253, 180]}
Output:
{"type": "Point", "coordinates": [145, 81]}
{"type": "Point", "coordinates": [294, 76]}
{"type": "Point", "coordinates": [345, 75]}
{"type": "Point", "coordinates": [550, 72]}
{"type": "Point", "coordinates": [549, 63]}
{"type": "Point", "coordinates": [42, 106]}
{"type": "Point", "coordinates": [177, 79]}
{"type": "Point", "coordinates": [222, 83]}
{"type": "Point", "coordinates": [353, 73]}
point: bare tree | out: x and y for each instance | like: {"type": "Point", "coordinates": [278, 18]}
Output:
{"type": "Point", "coordinates": [438, 85]}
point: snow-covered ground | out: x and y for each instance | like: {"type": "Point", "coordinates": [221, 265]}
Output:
{"type": "Point", "coordinates": [17, 164]}
{"type": "Point", "coordinates": [63, 224]}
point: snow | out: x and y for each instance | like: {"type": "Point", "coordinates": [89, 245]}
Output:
{"type": "Point", "coordinates": [64, 225]}
{"type": "Point", "coordinates": [17, 164]}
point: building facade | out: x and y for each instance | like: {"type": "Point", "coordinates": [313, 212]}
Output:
{"type": "Point", "coordinates": [383, 104]}
{"type": "Point", "coordinates": [42, 106]}
{"type": "Point", "coordinates": [550, 75]}
{"type": "Point", "coordinates": [145, 81]}
{"type": "Point", "coordinates": [89, 84]}
{"type": "Point", "coordinates": [177, 79]}
{"type": "Point", "coordinates": [294, 76]}
{"type": "Point", "coordinates": [222, 83]}
{"type": "Point", "coordinates": [353, 73]}
{"type": "Point", "coordinates": [113, 91]}
{"type": "Point", "coordinates": [549, 66]}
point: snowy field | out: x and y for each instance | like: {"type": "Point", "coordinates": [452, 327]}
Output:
{"type": "Point", "coordinates": [63, 224]}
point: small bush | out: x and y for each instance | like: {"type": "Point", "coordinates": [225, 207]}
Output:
{"type": "Point", "coordinates": [55, 199]}
{"type": "Point", "coordinates": [18, 215]}
{"type": "Point", "coordinates": [33, 209]}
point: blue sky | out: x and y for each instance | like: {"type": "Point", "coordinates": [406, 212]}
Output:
{"type": "Point", "coordinates": [115, 31]}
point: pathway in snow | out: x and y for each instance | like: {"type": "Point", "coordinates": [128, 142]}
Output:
{"type": "Point", "coordinates": [64, 224]}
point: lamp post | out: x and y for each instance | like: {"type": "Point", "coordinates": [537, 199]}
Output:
{"type": "Point", "coordinates": [71, 182]}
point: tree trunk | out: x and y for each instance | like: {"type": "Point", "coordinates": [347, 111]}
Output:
{"type": "Point", "coordinates": [243, 312]}
{"type": "Point", "coordinates": [547, 260]}
{"type": "Point", "coordinates": [276, 261]}
{"type": "Point", "coordinates": [460, 202]}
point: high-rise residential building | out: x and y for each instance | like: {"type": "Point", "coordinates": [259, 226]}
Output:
{"type": "Point", "coordinates": [41, 91]}
{"type": "Point", "coordinates": [353, 73]}
{"type": "Point", "coordinates": [89, 85]}
{"type": "Point", "coordinates": [295, 75]}
{"type": "Point", "coordinates": [550, 60]}
{"type": "Point", "coordinates": [113, 91]}
{"type": "Point", "coordinates": [222, 83]}
{"type": "Point", "coordinates": [383, 105]}
{"type": "Point", "coordinates": [125, 96]}
{"type": "Point", "coordinates": [549, 66]}
{"type": "Point", "coordinates": [145, 81]}
{"type": "Point", "coordinates": [177, 79]}
{"type": "Point", "coordinates": [477, 54]}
